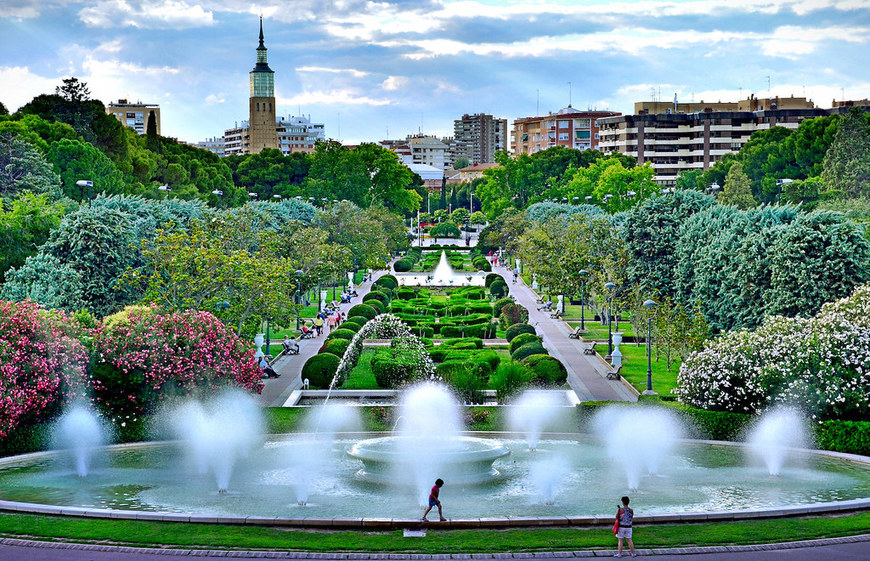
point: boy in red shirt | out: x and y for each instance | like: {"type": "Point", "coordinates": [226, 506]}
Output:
{"type": "Point", "coordinates": [433, 500]}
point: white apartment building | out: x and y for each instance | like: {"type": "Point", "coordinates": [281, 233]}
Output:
{"type": "Point", "coordinates": [134, 115]}
{"type": "Point", "coordinates": [295, 134]}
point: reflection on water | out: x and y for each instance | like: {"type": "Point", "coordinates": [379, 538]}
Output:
{"type": "Point", "coordinates": [693, 477]}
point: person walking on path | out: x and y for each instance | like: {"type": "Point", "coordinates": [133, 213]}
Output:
{"type": "Point", "coordinates": [624, 517]}
{"type": "Point", "coordinates": [332, 321]}
{"type": "Point", "coordinates": [318, 324]}
{"type": "Point", "coordinates": [434, 501]}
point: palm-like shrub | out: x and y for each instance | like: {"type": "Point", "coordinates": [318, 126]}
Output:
{"type": "Point", "coordinates": [509, 378]}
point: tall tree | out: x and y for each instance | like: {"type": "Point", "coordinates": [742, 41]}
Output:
{"type": "Point", "coordinates": [24, 168]}
{"type": "Point", "coordinates": [73, 90]}
{"type": "Point", "coordinates": [738, 188]}
{"type": "Point", "coordinates": [846, 167]}
{"type": "Point", "coordinates": [152, 139]}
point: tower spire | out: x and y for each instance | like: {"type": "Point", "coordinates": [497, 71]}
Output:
{"type": "Point", "coordinates": [262, 46]}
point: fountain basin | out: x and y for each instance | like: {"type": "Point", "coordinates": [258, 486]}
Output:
{"type": "Point", "coordinates": [463, 460]}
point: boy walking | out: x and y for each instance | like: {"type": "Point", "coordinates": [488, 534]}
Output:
{"type": "Point", "coordinates": [433, 500]}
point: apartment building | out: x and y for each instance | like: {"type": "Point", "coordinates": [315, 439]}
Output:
{"type": "Point", "coordinates": [568, 127]}
{"type": "Point", "coordinates": [295, 134]}
{"type": "Point", "coordinates": [681, 137]}
{"type": "Point", "coordinates": [134, 115]}
{"type": "Point", "coordinates": [478, 137]}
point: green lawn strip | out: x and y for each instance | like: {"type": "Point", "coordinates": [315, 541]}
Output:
{"type": "Point", "coordinates": [361, 377]}
{"type": "Point", "coordinates": [634, 369]}
{"type": "Point", "coordinates": [173, 534]}
{"type": "Point", "coordinates": [594, 329]}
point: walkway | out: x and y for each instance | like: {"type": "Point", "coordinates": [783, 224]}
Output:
{"type": "Point", "coordinates": [587, 374]}
{"type": "Point", "coordinates": [277, 390]}
{"type": "Point", "coordinates": [855, 548]}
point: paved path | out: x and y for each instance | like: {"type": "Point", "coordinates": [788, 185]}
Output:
{"type": "Point", "coordinates": [854, 548]}
{"type": "Point", "coordinates": [277, 390]}
{"type": "Point", "coordinates": [586, 373]}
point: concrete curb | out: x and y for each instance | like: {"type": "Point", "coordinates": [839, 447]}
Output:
{"type": "Point", "coordinates": [273, 554]}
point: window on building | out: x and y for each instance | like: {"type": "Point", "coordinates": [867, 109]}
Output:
{"type": "Point", "coordinates": [582, 123]}
{"type": "Point", "coordinates": [582, 134]}
{"type": "Point", "coordinates": [564, 124]}
{"type": "Point", "coordinates": [563, 136]}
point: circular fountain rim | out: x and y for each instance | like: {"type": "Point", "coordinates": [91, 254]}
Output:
{"type": "Point", "coordinates": [832, 507]}
{"type": "Point", "coordinates": [492, 452]}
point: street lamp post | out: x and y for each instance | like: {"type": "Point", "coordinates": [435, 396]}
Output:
{"type": "Point", "coordinates": [86, 183]}
{"type": "Point", "coordinates": [268, 339]}
{"type": "Point", "coordinates": [298, 274]}
{"type": "Point", "coordinates": [649, 305]}
{"type": "Point", "coordinates": [583, 274]}
{"type": "Point", "coordinates": [609, 287]}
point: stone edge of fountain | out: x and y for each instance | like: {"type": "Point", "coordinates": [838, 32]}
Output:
{"type": "Point", "coordinates": [852, 505]}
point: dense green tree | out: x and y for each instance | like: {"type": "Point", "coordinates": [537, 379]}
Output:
{"type": "Point", "coordinates": [75, 160]}
{"type": "Point", "coordinates": [24, 227]}
{"type": "Point", "coordinates": [270, 173]}
{"type": "Point", "coordinates": [73, 90]}
{"type": "Point", "coordinates": [36, 130]}
{"type": "Point", "coordinates": [461, 162]}
{"type": "Point", "coordinates": [846, 167]}
{"type": "Point", "coordinates": [504, 231]}
{"type": "Point", "coordinates": [3, 110]}
{"type": "Point", "coordinates": [337, 173]}
{"type": "Point", "coordinates": [691, 180]}
{"type": "Point", "coordinates": [47, 280]}
{"type": "Point", "coordinates": [391, 180]}
{"type": "Point", "coordinates": [651, 233]}
{"type": "Point", "coordinates": [737, 190]}
{"type": "Point", "coordinates": [358, 230]}
{"type": "Point", "coordinates": [151, 137]}
{"type": "Point", "coordinates": [24, 168]}
{"type": "Point", "coordinates": [612, 185]}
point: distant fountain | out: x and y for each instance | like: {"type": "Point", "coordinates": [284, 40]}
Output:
{"type": "Point", "coordinates": [219, 433]}
{"type": "Point", "coordinates": [80, 431]}
{"type": "Point", "coordinates": [545, 476]}
{"type": "Point", "coordinates": [533, 412]}
{"type": "Point", "coordinates": [444, 274]}
{"type": "Point", "coordinates": [428, 445]}
{"type": "Point", "coordinates": [776, 434]}
{"type": "Point", "coordinates": [637, 438]}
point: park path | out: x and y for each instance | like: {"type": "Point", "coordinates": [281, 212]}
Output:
{"type": "Point", "coordinates": [587, 374]}
{"type": "Point", "coordinates": [277, 390]}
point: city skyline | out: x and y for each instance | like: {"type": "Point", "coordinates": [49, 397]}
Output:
{"type": "Point", "coordinates": [376, 70]}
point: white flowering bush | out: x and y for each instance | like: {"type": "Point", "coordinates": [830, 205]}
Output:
{"type": "Point", "coordinates": [821, 365]}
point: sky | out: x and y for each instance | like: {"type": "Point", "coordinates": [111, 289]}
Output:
{"type": "Point", "coordinates": [376, 69]}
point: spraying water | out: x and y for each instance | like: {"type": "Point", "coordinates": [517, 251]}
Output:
{"type": "Point", "coordinates": [775, 435]}
{"type": "Point", "coordinates": [546, 476]}
{"type": "Point", "coordinates": [637, 438]}
{"type": "Point", "coordinates": [80, 431]}
{"type": "Point", "coordinates": [443, 274]}
{"type": "Point", "coordinates": [218, 433]}
{"type": "Point", "coordinates": [534, 411]}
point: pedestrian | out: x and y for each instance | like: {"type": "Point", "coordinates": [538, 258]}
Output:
{"type": "Point", "coordinates": [624, 517]}
{"type": "Point", "coordinates": [516, 274]}
{"type": "Point", "coordinates": [318, 324]}
{"type": "Point", "coordinates": [434, 501]}
{"type": "Point", "coordinates": [332, 321]}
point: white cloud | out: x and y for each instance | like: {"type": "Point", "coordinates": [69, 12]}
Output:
{"type": "Point", "coordinates": [333, 97]}
{"type": "Point", "coordinates": [171, 14]}
{"type": "Point", "coordinates": [393, 83]}
{"type": "Point", "coordinates": [325, 69]}
{"type": "Point", "coordinates": [212, 99]}
{"type": "Point", "coordinates": [20, 85]}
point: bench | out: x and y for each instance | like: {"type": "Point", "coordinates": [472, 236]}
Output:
{"type": "Point", "coordinates": [575, 334]}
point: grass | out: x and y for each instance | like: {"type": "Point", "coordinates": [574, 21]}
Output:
{"type": "Point", "coordinates": [173, 534]}
{"type": "Point", "coordinates": [634, 369]}
{"type": "Point", "coordinates": [361, 377]}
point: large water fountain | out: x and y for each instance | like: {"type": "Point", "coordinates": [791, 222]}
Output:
{"type": "Point", "coordinates": [443, 275]}
{"type": "Point", "coordinates": [311, 477]}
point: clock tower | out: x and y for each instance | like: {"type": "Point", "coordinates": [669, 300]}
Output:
{"type": "Point", "coordinates": [262, 129]}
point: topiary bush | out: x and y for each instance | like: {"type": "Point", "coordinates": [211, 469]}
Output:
{"type": "Point", "coordinates": [513, 313]}
{"type": "Point", "coordinates": [509, 379]}
{"type": "Point", "coordinates": [463, 343]}
{"type": "Point", "coordinates": [393, 368]}
{"type": "Point", "coordinates": [352, 325]}
{"type": "Point", "coordinates": [389, 281]}
{"type": "Point", "coordinates": [516, 329]}
{"type": "Point", "coordinates": [405, 293]}
{"type": "Point", "coordinates": [546, 370]}
{"type": "Point", "coordinates": [359, 320]}
{"type": "Point", "coordinates": [522, 339]}
{"type": "Point", "coordinates": [377, 305]}
{"type": "Point", "coordinates": [403, 265]}
{"type": "Point", "coordinates": [341, 333]}
{"type": "Point", "coordinates": [488, 356]}
{"type": "Point", "coordinates": [364, 310]}
{"type": "Point", "coordinates": [498, 289]}
{"type": "Point", "coordinates": [320, 370]}
{"type": "Point", "coordinates": [481, 263]}
{"type": "Point", "coordinates": [499, 305]}
{"type": "Point", "coordinates": [335, 346]}
{"type": "Point", "coordinates": [528, 350]}
{"type": "Point", "coordinates": [491, 278]}
{"type": "Point", "coordinates": [377, 295]}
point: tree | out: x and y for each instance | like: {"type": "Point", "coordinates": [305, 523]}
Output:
{"type": "Point", "coordinates": [460, 215]}
{"type": "Point", "coordinates": [477, 218]}
{"type": "Point", "coordinates": [76, 160]}
{"type": "Point", "coordinates": [613, 185]}
{"type": "Point", "coordinates": [152, 140]}
{"type": "Point", "coordinates": [3, 110]}
{"type": "Point", "coordinates": [461, 162]}
{"type": "Point", "coordinates": [391, 180]}
{"type": "Point", "coordinates": [24, 168]}
{"type": "Point", "coordinates": [73, 90]}
{"type": "Point", "coordinates": [737, 190]}
{"type": "Point", "coordinates": [337, 173]}
{"type": "Point", "coordinates": [25, 227]}
{"type": "Point", "coordinates": [846, 167]}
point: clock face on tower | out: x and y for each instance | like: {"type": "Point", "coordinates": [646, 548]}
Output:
{"type": "Point", "coordinates": [262, 84]}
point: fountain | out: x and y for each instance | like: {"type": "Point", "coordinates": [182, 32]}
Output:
{"type": "Point", "coordinates": [443, 275]}
{"type": "Point", "coordinates": [427, 446]}
{"type": "Point", "coordinates": [80, 431]}
{"type": "Point", "coordinates": [534, 411]}
{"type": "Point", "coordinates": [218, 433]}
{"type": "Point", "coordinates": [776, 434]}
{"type": "Point", "coordinates": [637, 438]}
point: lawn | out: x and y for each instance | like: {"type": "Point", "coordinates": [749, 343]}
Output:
{"type": "Point", "coordinates": [361, 377]}
{"type": "Point", "coordinates": [634, 367]}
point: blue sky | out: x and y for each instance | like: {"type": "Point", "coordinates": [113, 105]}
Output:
{"type": "Point", "coordinates": [365, 67]}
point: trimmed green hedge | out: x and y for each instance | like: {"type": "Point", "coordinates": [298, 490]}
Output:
{"type": "Point", "coordinates": [377, 305]}
{"type": "Point", "coordinates": [464, 343]}
{"type": "Point", "coordinates": [336, 347]}
{"type": "Point", "coordinates": [393, 368]}
{"type": "Point", "coordinates": [852, 437]}
{"type": "Point", "coordinates": [516, 329]}
{"type": "Point", "coordinates": [353, 326]}
{"type": "Point", "coordinates": [546, 370]}
{"type": "Point", "coordinates": [364, 310]}
{"type": "Point", "coordinates": [377, 295]}
{"type": "Point", "coordinates": [522, 339]}
{"type": "Point", "coordinates": [527, 350]}
{"type": "Point", "coordinates": [491, 278]}
{"type": "Point", "coordinates": [341, 333]}
{"type": "Point", "coordinates": [359, 320]}
{"type": "Point", "coordinates": [320, 370]}
{"type": "Point", "coordinates": [389, 281]}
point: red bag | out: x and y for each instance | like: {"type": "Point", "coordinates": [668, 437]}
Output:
{"type": "Point", "coordinates": [615, 526]}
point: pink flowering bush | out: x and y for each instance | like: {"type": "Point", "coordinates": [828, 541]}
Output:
{"type": "Point", "coordinates": [145, 357]}
{"type": "Point", "coordinates": [821, 364]}
{"type": "Point", "coordinates": [41, 364]}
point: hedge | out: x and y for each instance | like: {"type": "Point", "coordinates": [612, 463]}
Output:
{"type": "Point", "coordinates": [335, 346]}
{"type": "Point", "coordinates": [405, 293]}
{"type": "Point", "coordinates": [341, 333]}
{"type": "Point", "coordinates": [320, 370]}
{"type": "Point", "coordinates": [522, 339]}
{"type": "Point", "coordinates": [463, 343]}
{"type": "Point", "coordinates": [377, 295]}
{"type": "Point", "coordinates": [359, 320]}
{"type": "Point", "coordinates": [498, 289]}
{"type": "Point", "coordinates": [516, 329]}
{"type": "Point", "coordinates": [362, 310]}
{"type": "Point", "coordinates": [403, 265]}
{"type": "Point", "coordinates": [499, 304]}
{"type": "Point", "coordinates": [852, 437]}
{"type": "Point", "coordinates": [546, 370]}
{"type": "Point", "coordinates": [527, 350]}
{"type": "Point", "coordinates": [491, 278]}
{"type": "Point", "coordinates": [377, 305]}
{"type": "Point", "coordinates": [353, 326]}
{"type": "Point", "coordinates": [389, 281]}
{"type": "Point", "coordinates": [488, 356]}
{"type": "Point", "coordinates": [393, 368]}
{"type": "Point", "coordinates": [481, 264]}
